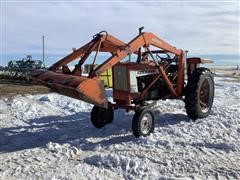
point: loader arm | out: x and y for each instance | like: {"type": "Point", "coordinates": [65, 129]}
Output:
{"type": "Point", "coordinates": [144, 40]}
{"type": "Point", "coordinates": [72, 84]}
{"type": "Point", "coordinates": [90, 89]}
{"type": "Point", "coordinates": [109, 44]}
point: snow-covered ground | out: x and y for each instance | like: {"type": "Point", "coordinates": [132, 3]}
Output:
{"type": "Point", "coordinates": [51, 137]}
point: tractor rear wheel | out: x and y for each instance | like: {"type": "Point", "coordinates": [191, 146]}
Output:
{"type": "Point", "coordinates": [199, 93]}
{"type": "Point", "coordinates": [143, 122]}
{"type": "Point", "coordinates": [101, 116]}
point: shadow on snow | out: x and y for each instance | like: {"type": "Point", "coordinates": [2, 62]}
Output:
{"type": "Point", "coordinates": [75, 129]}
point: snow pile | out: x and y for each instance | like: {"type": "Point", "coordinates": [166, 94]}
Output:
{"type": "Point", "coordinates": [51, 137]}
{"type": "Point", "coordinates": [62, 150]}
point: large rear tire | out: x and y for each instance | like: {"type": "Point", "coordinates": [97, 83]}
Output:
{"type": "Point", "coordinates": [101, 116]}
{"type": "Point", "coordinates": [143, 122]}
{"type": "Point", "coordinates": [199, 93]}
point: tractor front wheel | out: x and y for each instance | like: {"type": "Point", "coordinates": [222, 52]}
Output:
{"type": "Point", "coordinates": [101, 116]}
{"type": "Point", "coordinates": [143, 122]}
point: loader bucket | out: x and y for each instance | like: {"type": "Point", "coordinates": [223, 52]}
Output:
{"type": "Point", "coordinates": [78, 87]}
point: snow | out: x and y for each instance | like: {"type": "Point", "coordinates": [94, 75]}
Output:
{"type": "Point", "coordinates": [49, 136]}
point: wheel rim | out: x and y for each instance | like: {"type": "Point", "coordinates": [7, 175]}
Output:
{"type": "Point", "coordinates": [146, 123]}
{"type": "Point", "coordinates": [204, 99]}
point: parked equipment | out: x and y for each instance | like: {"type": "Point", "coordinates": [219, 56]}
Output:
{"type": "Point", "coordinates": [20, 69]}
{"type": "Point", "coordinates": [106, 76]}
{"type": "Point", "coordinates": [158, 72]}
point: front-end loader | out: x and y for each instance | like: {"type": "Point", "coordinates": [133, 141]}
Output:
{"type": "Point", "coordinates": [159, 71]}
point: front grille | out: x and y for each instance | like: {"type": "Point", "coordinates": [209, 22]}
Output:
{"type": "Point", "coordinates": [120, 78]}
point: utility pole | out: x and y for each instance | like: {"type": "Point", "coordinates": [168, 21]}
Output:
{"type": "Point", "coordinates": [43, 60]}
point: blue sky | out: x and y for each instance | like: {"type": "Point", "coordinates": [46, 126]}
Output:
{"type": "Point", "coordinates": [202, 27]}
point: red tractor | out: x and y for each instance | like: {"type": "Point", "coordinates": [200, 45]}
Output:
{"type": "Point", "coordinates": [160, 71]}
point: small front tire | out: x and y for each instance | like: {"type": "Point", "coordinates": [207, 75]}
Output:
{"type": "Point", "coordinates": [101, 116]}
{"type": "Point", "coordinates": [143, 122]}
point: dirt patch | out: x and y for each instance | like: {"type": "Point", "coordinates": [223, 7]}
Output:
{"type": "Point", "coordinates": [12, 88]}
{"type": "Point", "coordinates": [234, 74]}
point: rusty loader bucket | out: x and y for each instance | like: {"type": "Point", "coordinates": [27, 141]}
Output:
{"type": "Point", "coordinates": [78, 87]}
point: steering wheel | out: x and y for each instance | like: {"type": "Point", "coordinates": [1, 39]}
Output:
{"type": "Point", "coordinates": [163, 59]}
